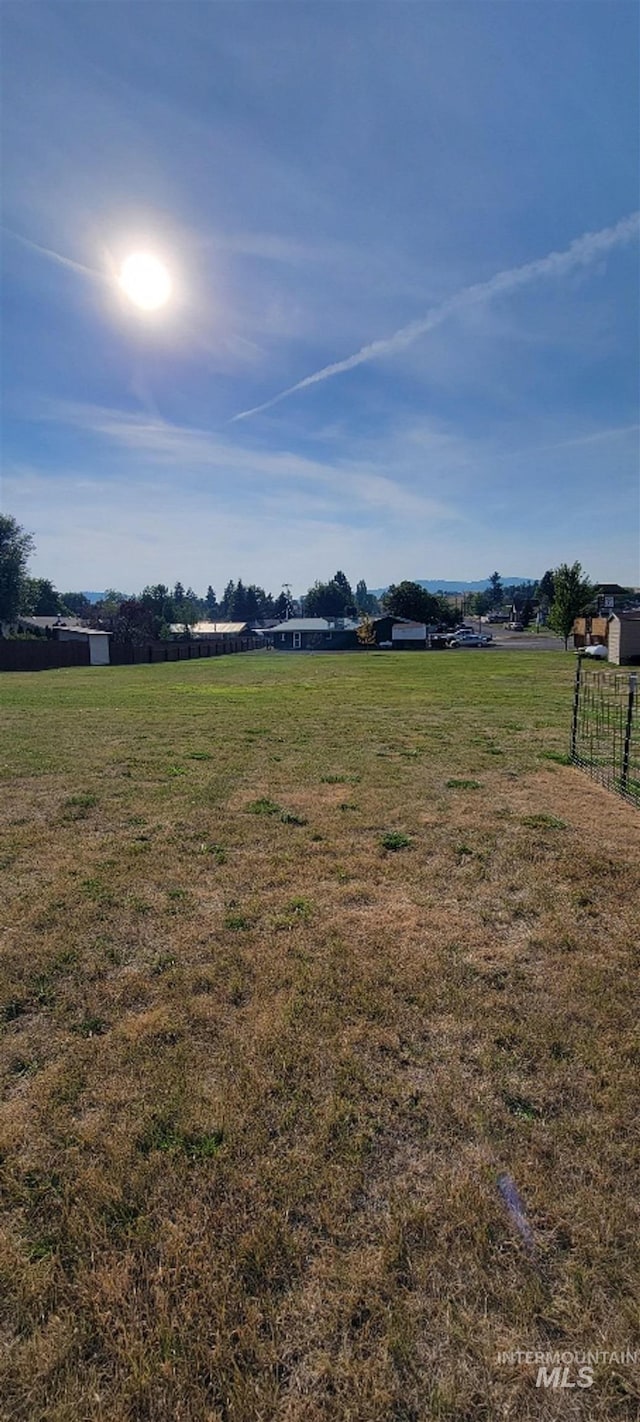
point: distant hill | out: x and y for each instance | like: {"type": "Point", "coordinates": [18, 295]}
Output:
{"type": "Point", "coordinates": [436, 585]}
{"type": "Point", "coordinates": [92, 596]}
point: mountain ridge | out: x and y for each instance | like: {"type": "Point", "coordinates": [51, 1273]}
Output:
{"type": "Point", "coordinates": [435, 585]}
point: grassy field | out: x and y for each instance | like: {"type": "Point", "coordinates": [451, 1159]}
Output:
{"type": "Point", "coordinates": [301, 957]}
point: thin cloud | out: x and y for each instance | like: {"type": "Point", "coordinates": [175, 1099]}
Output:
{"type": "Point", "coordinates": [582, 252]}
{"type": "Point", "coordinates": [53, 256]}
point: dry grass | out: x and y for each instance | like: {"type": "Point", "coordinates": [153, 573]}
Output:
{"type": "Point", "coordinates": [261, 1073]}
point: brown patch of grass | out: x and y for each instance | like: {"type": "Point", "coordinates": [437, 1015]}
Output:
{"type": "Point", "coordinates": [261, 1079]}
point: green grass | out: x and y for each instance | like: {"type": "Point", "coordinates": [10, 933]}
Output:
{"type": "Point", "coordinates": [261, 1079]}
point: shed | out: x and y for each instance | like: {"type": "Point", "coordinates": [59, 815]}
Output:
{"type": "Point", "coordinates": [69, 629]}
{"type": "Point", "coordinates": [624, 638]}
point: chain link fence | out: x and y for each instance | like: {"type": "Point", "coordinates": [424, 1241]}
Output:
{"type": "Point", "coordinates": [605, 728]}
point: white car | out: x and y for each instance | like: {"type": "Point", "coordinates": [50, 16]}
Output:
{"type": "Point", "coordinates": [597, 651]}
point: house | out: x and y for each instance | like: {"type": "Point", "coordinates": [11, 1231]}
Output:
{"type": "Point", "coordinates": [314, 634]}
{"type": "Point", "coordinates": [624, 638]}
{"type": "Point", "coordinates": [609, 597]}
{"type": "Point", "coordinates": [69, 629]}
{"type": "Point", "coordinates": [204, 630]}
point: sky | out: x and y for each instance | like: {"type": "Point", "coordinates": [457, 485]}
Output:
{"type": "Point", "coordinates": [403, 335]}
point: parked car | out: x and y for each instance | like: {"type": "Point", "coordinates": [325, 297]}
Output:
{"type": "Point", "coordinates": [515, 626]}
{"type": "Point", "coordinates": [471, 639]}
{"type": "Point", "coordinates": [597, 651]}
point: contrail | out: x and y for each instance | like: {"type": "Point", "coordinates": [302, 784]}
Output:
{"type": "Point", "coordinates": [581, 253]}
{"type": "Point", "coordinates": [54, 256]}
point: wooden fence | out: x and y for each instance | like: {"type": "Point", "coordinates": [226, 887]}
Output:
{"type": "Point", "coordinates": [130, 653]}
{"type": "Point", "coordinates": [40, 654]}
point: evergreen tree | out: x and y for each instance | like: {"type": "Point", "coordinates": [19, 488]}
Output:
{"type": "Point", "coordinates": [283, 606]}
{"type": "Point", "coordinates": [238, 604]}
{"type": "Point", "coordinates": [227, 598]}
{"type": "Point", "coordinates": [252, 605]}
{"type": "Point", "coordinates": [495, 590]}
{"type": "Point", "coordinates": [545, 589]}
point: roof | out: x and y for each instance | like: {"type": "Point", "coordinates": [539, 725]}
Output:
{"type": "Point", "coordinates": [212, 629]}
{"type": "Point", "coordinates": [631, 615]}
{"type": "Point", "coordinates": [316, 624]}
{"type": "Point", "coordinates": [53, 620]}
{"type": "Point", "coordinates": [70, 624]}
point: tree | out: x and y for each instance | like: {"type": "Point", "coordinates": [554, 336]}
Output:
{"type": "Point", "coordinates": [135, 621]}
{"type": "Point", "coordinates": [572, 595]}
{"type": "Point", "coordinates": [365, 601]}
{"type": "Point", "coordinates": [40, 599]}
{"type": "Point", "coordinates": [495, 590]}
{"type": "Point", "coordinates": [227, 597]}
{"type": "Point", "coordinates": [109, 605]}
{"type": "Point", "coordinates": [283, 606]}
{"type": "Point", "coordinates": [479, 603]}
{"type": "Point", "coordinates": [526, 611]}
{"type": "Point", "coordinates": [237, 608]}
{"type": "Point", "coordinates": [76, 604]}
{"type": "Point", "coordinates": [545, 589]}
{"type": "Point", "coordinates": [366, 632]}
{"type": "Point", "coordinates": [409, 600]}
{"type": "Point", "coordinates": [158, 602]}
{"type": "Point", "coordinates": [178, 593]}
{"type": "Point", "coordinates": [341, 581]}
{"type": "Point", "coordinates": [325, 600]}
{"type": "Point", "coordinates": [15, 547]}
{"type": "Point", "coordinates": [251, 604]}
{"type": "Point", "coordinates": [212, 606]}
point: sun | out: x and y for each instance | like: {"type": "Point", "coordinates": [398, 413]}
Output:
{"type": "Point", "coordinates": [145, 280]}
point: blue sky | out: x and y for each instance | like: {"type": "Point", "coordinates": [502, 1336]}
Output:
{"type": "Point", "coordinates": [319, 178]}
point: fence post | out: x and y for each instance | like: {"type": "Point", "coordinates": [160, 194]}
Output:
{"type": "Point", "coordinates": [576, 706]}
{"type": "Point", "coordinates": [633, 686]}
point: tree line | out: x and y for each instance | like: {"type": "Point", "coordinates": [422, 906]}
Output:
{"type": "Point", "coordinates": [561, 594]}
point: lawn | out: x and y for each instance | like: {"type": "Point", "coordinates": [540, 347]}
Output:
{"type": "Point", "coordinates": [308, 964]}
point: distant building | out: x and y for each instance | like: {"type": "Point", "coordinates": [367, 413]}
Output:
{"type": "Point", "coordinates": [408, 636]}
{"type": "Point", "coordinates": [610, 596]}
{"type": "Point", "coordinates": [202, 630]}
{"type": "Point", "coordinates": [314, 634]}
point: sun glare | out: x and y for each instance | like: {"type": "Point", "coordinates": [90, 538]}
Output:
{"type": "Point", "coordinates": [145, 281]}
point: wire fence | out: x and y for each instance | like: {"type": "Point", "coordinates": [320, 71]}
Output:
{"type": "Point", "coordinates": [605, 728]}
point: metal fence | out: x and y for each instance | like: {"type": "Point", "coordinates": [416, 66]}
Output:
{"type": "Point", "coordinates": [605, 728]}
